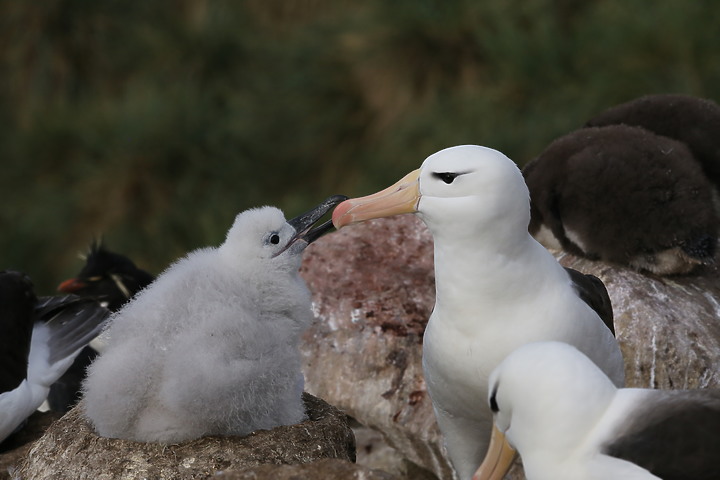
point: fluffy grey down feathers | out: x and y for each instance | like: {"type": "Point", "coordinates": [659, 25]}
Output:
{"type": "Point", "coordinates": [211, 347]}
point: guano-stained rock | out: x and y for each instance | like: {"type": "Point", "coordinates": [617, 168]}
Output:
{"type": "Point", "coordinates": [668, 327]}
{"type": "Point", "coordinates": [373, 290]}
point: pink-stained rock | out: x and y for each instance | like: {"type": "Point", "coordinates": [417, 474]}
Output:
{"type": "Point", "coordinates": [373, 290]}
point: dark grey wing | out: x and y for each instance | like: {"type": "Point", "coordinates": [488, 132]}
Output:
{"type": "Point", "coordinates": [675, 435]}
{"type": "Point", "coordinates": [65, 392]}
{"type": "Point", "coordinates": [47, 307]}
{"type": "Point", "coordinates": [73, 321]}
{"type": "Point", "coordinates": [593, 292]}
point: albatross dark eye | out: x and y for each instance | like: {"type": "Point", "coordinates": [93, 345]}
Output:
{"type": "Point", "coordinates": [446, 177]}
{"type": "Point", "coordinates": [275, 239]}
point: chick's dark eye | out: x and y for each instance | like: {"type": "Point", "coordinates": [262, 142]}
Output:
{"type": "Point", "coordinates": [274, 239]}
{"type": "Point", "coordinates": [446, 177]}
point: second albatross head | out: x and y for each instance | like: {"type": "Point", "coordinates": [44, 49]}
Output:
{"type": "Point", "coordinates": [458, 183]}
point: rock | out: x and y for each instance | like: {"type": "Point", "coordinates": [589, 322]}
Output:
{"type": "Point", "coordinates": [668, 327]}
{"type": "Point", "coordinates": [326, 469]}
{"type": "Point", "coordinates": [70, 449]}
{"type": "Point", "coordinates": [373, 290]}
{"type": "Point", "coordinates": [16, 446]}
{"type": "Point", "coordinates": [373, 451]}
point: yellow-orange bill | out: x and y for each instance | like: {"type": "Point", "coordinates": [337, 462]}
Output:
{"type": "Point", "coordinates": [499, 458]}
{"type": "Point", "coordinates": [402, 197]}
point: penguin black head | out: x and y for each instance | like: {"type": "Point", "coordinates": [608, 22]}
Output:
{"type": "Point", "coordinates": [107, 276]}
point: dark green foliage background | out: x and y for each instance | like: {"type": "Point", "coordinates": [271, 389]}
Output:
{"type": "Point", "coordinates": [153, 123]}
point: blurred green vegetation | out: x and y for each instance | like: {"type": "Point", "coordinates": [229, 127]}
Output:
{"type": "Point", "coordinates": [152, 124]}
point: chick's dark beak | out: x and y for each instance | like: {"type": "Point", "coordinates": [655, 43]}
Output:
{"type": "Point", "coordinates": [303, 223]}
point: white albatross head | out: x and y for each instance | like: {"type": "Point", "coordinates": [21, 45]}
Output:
{"type": "Point", "coordinates": [470, 186]}
{"type": "Point", "coordinates": [545, 398]}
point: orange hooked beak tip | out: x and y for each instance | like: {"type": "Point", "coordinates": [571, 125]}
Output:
{"type": "Point", "coordinates": [401, 197]}
{"type": "Point", "coordinates": [71, 285]}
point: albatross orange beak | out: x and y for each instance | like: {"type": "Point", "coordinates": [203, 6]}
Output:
{"type": "Point", "coordinates": [401, 197]}
{"type": "Point", "coordinates": [498, 459]}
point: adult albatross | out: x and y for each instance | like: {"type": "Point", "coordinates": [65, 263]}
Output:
{"type": "Point", "coordinates": [496, 287]}
{"type": "Point", "coordinates": [569, 422]}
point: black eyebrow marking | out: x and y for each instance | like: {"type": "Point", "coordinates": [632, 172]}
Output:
{"type": "Point", "coordinates": [493, 400]}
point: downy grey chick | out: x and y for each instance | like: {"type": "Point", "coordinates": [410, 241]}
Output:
{"type": "Point", "coordinates": [211, 347]}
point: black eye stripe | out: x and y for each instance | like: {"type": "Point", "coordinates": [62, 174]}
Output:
{"type": "Point", "coordinates": [446, 177]}
{"type": "Point", "coordinates": [493, 400]}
